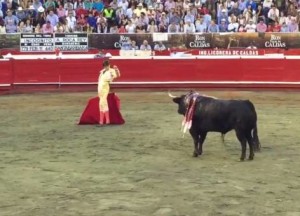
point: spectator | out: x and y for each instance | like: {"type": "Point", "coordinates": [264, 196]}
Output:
{"type": "Point", "coordinates": [52, 18]}
{"type": "Point", "coordinates": [2, 27]}
{"type": "Point", "coordinates": [223, 26]}
{"type": "Point", "coordinates": [145, 46]}
{"type": "Point", "coordinates": [213, 27]}
{"type": "Point", "coordinates": [11, 22]}
{"type": "Point", "coordinates": [47, 28]}
{"type": "Point", "coordinates": [261, 27]}
{"type": "Point", "coordinates": [250, 27]}
{"type": "Point", "coordinates": [159, 46]}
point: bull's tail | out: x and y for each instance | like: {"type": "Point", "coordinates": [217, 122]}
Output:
{"type": "Point", "coordinates": [256, 141]}
{"type": "Point", "coordinates": [255, 138]}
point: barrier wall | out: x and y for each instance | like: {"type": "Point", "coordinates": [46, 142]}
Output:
{"type": "Point", "coordinates": [233, 71]}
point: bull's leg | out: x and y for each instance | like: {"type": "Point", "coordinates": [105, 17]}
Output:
{"type": "Point", "coordinates": [242, 138]}
{"type": "Point", "coordinates": [201, 141]}
{"type": "Point", "coordinates": [223, 138]}
{"type": "Point", "coordinates": [195, 136]}
{"type": "Point", "coordinates": [251, 145]}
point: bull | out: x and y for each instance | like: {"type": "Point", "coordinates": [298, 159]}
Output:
{"type": "Point", "coordinates": [209, 114]}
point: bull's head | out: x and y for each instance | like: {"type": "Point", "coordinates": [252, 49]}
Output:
{"type": "Point", "coordinates": [181, 101]}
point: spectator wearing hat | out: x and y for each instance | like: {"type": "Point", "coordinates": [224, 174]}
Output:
{"type": "Point", "coordinates": [163, 23]}
{"type": "Point", "coordinates": [139, 10]}
{"type": "Point", "coordinates": [11, 22]}
{"type": "Point", "coordinates": [21, 14]}
{"type": "Point", "coordinates": [158, 6]}
{"type": "Point", "coordinates": [222, 16]}
{"type": "Point", "coordinates": [223, 26]}
{"type": "Point", "coordinates": [189, 27]}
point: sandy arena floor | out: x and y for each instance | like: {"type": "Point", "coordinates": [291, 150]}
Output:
{"type": "Point", "coordinates": [50, 166]}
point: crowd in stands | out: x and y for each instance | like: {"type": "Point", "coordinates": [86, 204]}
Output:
{"type": "Point", "coordinates": [148, 16]}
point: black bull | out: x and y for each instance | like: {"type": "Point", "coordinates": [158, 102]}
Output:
{"type": "Point", "coordinates": [215, 115]}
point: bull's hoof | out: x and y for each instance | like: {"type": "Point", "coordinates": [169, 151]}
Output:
{"type": "Point", "coordinates": [251, 158]}
{"type": "Point", "coordinates": [195, 154]}
{"type": "Point", "coordinates": [242, 159]}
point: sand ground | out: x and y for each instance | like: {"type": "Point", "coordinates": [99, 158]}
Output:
{"type": "Point", "coordinates": [51, 166]}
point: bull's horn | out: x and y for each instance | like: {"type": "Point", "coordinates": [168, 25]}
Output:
{"type": "Point", "coordinates": [171, 96]}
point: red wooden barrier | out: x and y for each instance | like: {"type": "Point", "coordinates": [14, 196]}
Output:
{"type": "Point", "coordinates": [156, 72]}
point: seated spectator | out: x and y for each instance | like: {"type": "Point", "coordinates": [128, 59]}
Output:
{"type": "Point", "coordinates": [159, 46]}
{"type": "Point", "coordinates": [250, 27]}
{"type": "Point", "coordinates": [145, 46]}
{"type": "Point", "coordinates": [152, 27]}
{"type": "Point", "coordinates": [126, 45]}
{"type": "Point", "coordinates": [173, 28]}
{"type": "Point", "coordinates": [233, 26]}
{"type": "Point", "coordinates": [293, 26]}
{"type": "Point", "coordinates": [261, 27]}
{"type": "Point", "coordinates": [28, 28]}
{"type": "Point", "coordinates": [21, 27]}
{"type": "Point", "coordinates": [130, 27]}
{"type": "Point", "coordinates": [213, 27]}
{"type": "Point", "coordinates": [200, 25]}
{"type": "Point", "coordinates": [48, 28]}
{"type": "Point", "coordinates": [134, 46]}
{"type": "Point", "coordinates": [223, 26]}
{"type": "Point", "coordinates": [2, 27]}
{"type": "Point", "coordinates": [189, 27]}
{"type": "Point", "coordinates": [114, 29]}
{"type": "Point", "coordinates": [11, 22]}
{"type": "Point", "coordinates": [284, 27]}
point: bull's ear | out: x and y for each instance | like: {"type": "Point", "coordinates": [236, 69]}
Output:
{"type": "Point", "coordinates": [177, 100]}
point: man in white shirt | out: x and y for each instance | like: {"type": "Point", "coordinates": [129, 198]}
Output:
{"type": "Point", "coordinates": [250, 27]}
